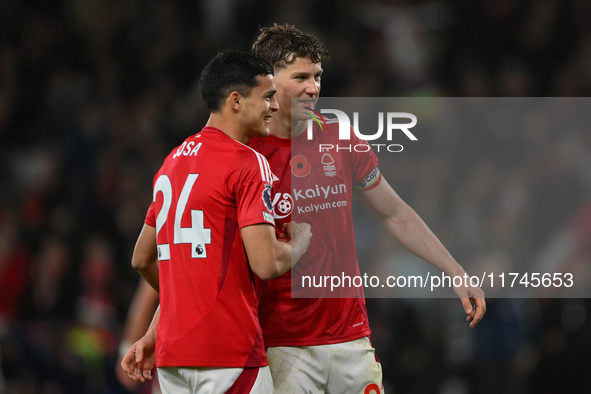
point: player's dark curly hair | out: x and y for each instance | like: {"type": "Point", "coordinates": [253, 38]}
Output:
{"type": "Point", "coordinates": [228, 72]}
{"type": "Point", "coordinates": [280, 45]}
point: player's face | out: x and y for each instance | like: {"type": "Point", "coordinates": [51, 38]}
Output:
{"type": "Point", "coordinates": [258, 107]}
{"type": "Point", "coordinates": [300, 79]}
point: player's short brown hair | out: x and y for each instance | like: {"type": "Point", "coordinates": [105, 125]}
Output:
{"type": "Point", "coordinates": [280, 45]}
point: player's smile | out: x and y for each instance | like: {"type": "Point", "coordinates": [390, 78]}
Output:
{"type": "Point", "coordinates": [299, 79]}
{"type": "Point", "coordinates": [259, 107]}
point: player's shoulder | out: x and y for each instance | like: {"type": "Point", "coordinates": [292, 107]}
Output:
{"type": "Point", "coordinates": [246, 151]}
{"type": "Point", "coordinates": [253, 163]}
{"type": "Point", "coordinates": [240, 155]}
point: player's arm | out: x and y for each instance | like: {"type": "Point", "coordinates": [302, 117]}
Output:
{"type": "Point", "coordinates": [141, 311]}
{"type": "Point", "coordinates": [406, 226]}
{"type": "Point", "coordinates": [145, 256]}
{"type": "Point", "coordinates": [140, 314]}
{"type": "Point", "coordinates": [269, 257]}
{"type": "Point", "coordinates": [141, 356]}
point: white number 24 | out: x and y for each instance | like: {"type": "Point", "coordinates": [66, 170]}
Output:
{"type": "Point", "coordinates": [196, 235]}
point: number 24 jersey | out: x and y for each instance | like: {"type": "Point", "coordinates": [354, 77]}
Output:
{"type": "Point", "coordinates": [205, 192]}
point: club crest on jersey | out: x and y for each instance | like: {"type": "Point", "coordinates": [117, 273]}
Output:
{"type": "Point", "coordinates": [299, 166]}
{"type": "Point", "coordinates": [267, 198]}
{"type": "Point", "coordinates": [328, 165]}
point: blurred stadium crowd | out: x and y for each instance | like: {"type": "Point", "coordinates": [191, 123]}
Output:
{"type": "Point", "coordinates": [94, 94]}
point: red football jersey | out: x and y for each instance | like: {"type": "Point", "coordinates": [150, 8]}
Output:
{"type": "Point", "coordinates": [204, 193]}
{"type": "Point", "coordinates": [316, 187]}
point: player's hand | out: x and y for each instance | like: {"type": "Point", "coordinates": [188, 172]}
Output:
{"type": "Point", "coordinates": [140, 359]}
{"type": "Point", "coordinates": [285, 232]}
{"type": "Point", "coordinates": [300, 234]}
{"type": "Point", "coordinates": [125, 381]}
{"type": "Point", "coordinates": [473, 301]}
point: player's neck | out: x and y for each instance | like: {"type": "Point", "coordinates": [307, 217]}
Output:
{"type": "Point", "coordinates": [227, 126]}
{"type": "Point", "coordinates": [281, 127]}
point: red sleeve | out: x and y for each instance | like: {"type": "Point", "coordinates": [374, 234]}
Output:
{"type": "Point", "coordinates": [150, 219]}
{"type": "Point", "coordinates": [253, 194]}
{"type": "Point", "coordinates": [365, 172]}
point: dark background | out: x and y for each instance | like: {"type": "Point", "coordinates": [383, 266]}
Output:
{"type": "Point", "coordinates": [94, 94]}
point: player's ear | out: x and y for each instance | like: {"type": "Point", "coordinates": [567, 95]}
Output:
{"type": "Point", "coordinates": [234, 100]}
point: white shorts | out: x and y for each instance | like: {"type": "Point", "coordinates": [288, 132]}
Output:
{"type": "Point", "coordinates": [340, 368]}
{"type": "Point", "coordinates": [193, 380]}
